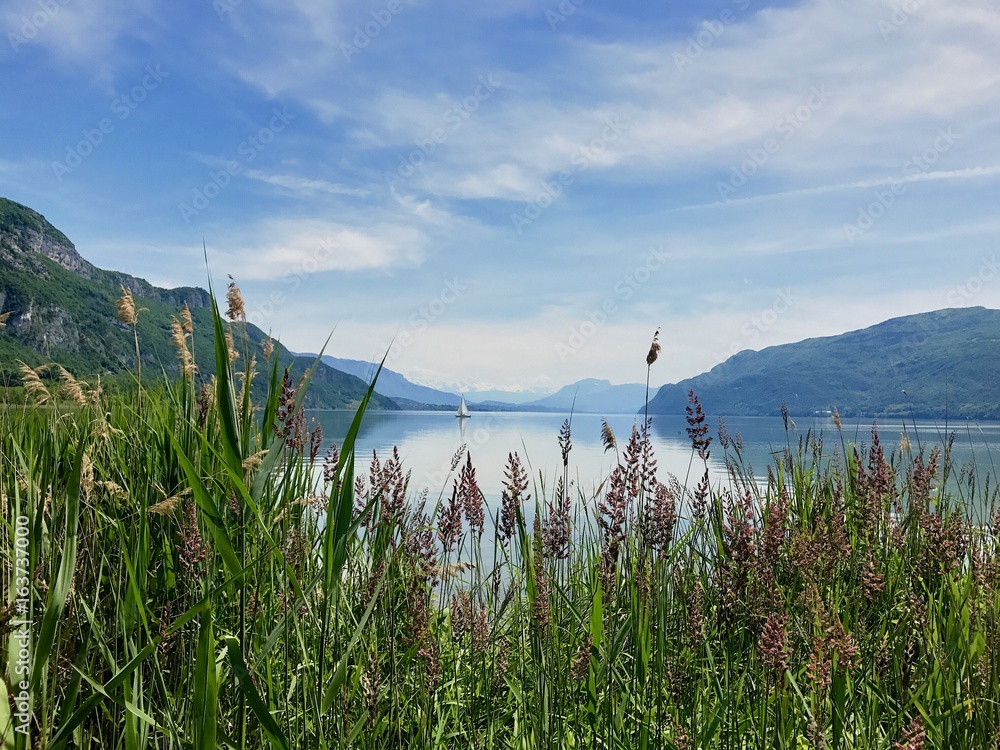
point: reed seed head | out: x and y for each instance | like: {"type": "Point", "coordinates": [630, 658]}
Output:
{"type": "Point", "coordinates": [697, 430]}
{"type": "Point", "coordinates": [556, 527]}
{"type": "Point", "coordinates": [186, 322]}
{"type": "Point", "coordinates": [607, 436]}
{"type": "Point", "coordinates": [127, 312]}
{"type": "Point", "coordinates": [74, 389]}
{"type": "Point", "coordinates": [471, 497]}
{"type": "Point", "coordinates": [450, 521]}
{"type": "Point", "coordinates": [914, 736]}
{"type": "Point", "coordinates": [178, 337]}
{"type": "Point", "coordinates": [231, 346]}
{"type": "Point", "coordinates": [565, 443]}
{"type": "Point", "coordinates": [237, 308]}
{"type": "Point", "coordinates": [515, 483]}
{"type": "Point", "coordinates": [654, 349]}
{"type": "Point", "coordinates": [581, 662]}
{"type": "Point", "coordinates": [33, 385]}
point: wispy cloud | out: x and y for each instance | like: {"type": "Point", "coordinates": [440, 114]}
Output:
{"type": "Point", "coordinates": [303, 185]}
{"type": "Point", "coordinates": [410, 154]}
{"type": "Point", "coordinates": [312, 246]}
{"type": "Point", "coordinates": [887, 181]}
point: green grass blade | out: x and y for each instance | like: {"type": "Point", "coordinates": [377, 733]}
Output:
{"type": "Point", "coordinates": [274, 733]}
{"type": "Point", "coordinates": [59, 590]}
{"type": "Point", "coordinates": [205, 708]}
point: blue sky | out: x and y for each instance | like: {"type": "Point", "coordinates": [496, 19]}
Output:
{"type": "Point", "coordinates": [519, 193]}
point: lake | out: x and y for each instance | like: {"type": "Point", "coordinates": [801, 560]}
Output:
{"type": "Point", "coordinates": [428, 440]}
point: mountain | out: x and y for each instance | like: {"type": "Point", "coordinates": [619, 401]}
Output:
{"type": "Point", "coordinates": [394, 385]}
{"type": "Point", "coordinates": [61, 308]}
{"type": "Point", "coordinates": [946, 362]}
{"type": "Point", "coordinates": [506, 398]}
{"type": "Point", "coordinates": [597, 396]}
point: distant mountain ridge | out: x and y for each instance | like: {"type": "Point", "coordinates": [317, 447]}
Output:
{"type": "Point", "coordinates": [597, 396]}
{"type": "Point", "coordinates": [393, 384]}
{"type": "Point", "coordinates": [61, 308]}
{"type": "Point", "coordinates": [946, 361]}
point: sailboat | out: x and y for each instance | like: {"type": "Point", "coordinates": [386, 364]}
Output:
{"type": "Point", "coordinates": [463, 410]}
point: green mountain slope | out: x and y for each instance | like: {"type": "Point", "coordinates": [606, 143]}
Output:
{"type": "Point", "coordinates": [61, 308]}
{"type": "Point", "coordinates": [947, 362]}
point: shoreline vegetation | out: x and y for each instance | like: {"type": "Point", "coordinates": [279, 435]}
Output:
{"type": "Point", "coordinates": [190, 572]}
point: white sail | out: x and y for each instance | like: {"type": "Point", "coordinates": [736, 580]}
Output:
{"type": "Point", "coordinates": [463, 410]}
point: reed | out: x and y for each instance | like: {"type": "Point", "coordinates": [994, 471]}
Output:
{"type": "Point", "coordinates": [200, 577]}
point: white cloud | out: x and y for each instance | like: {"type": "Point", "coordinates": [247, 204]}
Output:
{"type": "Point", "coordinates": [967, 173]}
{"type": "Point", "coordinates": [758, 80]}
{"type": "Point", "coordinates": [286, 247]}
{"type": "Point", "coordinates": [304, 185]}
{"type": "Point", "coordinates": [77, 31]}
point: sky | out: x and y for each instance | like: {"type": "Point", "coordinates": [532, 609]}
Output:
{"type": "Point", "coordinates": [515, 195]}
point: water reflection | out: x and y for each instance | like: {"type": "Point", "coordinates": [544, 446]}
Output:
{"type": "Point", "coordinates": [427, 441]}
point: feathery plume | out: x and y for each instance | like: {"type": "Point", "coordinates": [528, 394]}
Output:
{"type": "Point", "coordinates": [541, 613]}
{"type": "Point", "coordinates": [267, 346]}
{"type": "Point", "coordinates": [178, 337]}
{"type": "Point", "coordinates": [164, 507]}
{"type": "Point", "coordinates": [697, 430]}
{"type": "Point", "coordinates": [515, 483]}
{"type": "Point", "coordinates": [253, 461]}
{"type": "Point", "coordinates": [33, 385]}
{"type": "Point", "coordinates": [608, 436]}
{"type": "Point", "coordinates": [581, 662]}
{"type": "Point", "coordinates": [231, 346]}
{"type": "Point", "coordinates": [654, 349]}
{"type": "Point", "coordinates": [660, 518]}
{"type": "Point", "coordinates": [73, 388]}
{"type": "Point", "coordinates": [3, 318]}
{"type": "Point", "coordinates": [565, 444]}
{"type": "Point", "coordinates": [206, 397]}
{"type": "Point", "coordinates": [773, 644]}
{"type": "Point", "coordinates": [192, 550]}
{"type": "Point", "coordinates": [556, 527]}
{"type": "Point", "coordinates": [450, 521]}
{"type": "Point", "coordinates": [127, 312]}
{"type": "Point", "coordinates": [914, 736]}
{"type": "Point", "coordinates": [471, 496]}
{"type": "Point", "coordinates": [237, 308]}
{"type": "Point", "coordinates": [186, 322]}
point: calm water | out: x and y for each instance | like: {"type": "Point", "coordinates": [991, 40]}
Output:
{"type": "Point", "coordinates": [428, 440]}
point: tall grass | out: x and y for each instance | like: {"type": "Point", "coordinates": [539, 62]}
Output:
{"type": "Point", "coordinates": [202, 578]}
